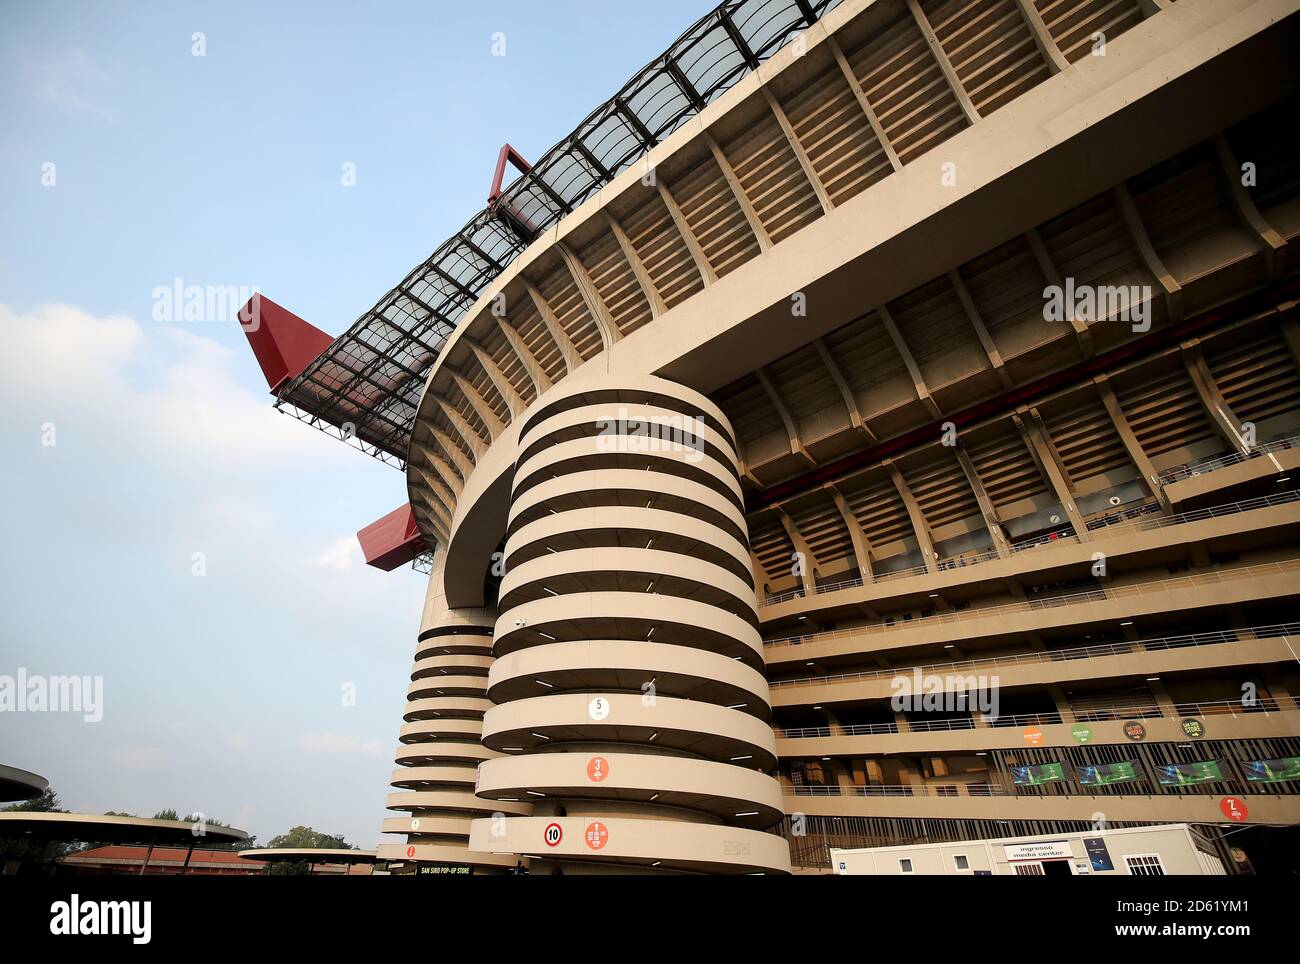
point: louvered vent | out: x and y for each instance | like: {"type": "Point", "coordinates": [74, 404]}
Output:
{"type": "Point", "coordinates": [879, 510]}
{"type": "Point", "coordinates": [940, 488]}
{"type": "Point", "coordinates": [938, 332]}
{"type": "Point", "coordinates": [806, 388]}
{"type": "Point", "coordinates": [570, 310]}
{"type": "Point", "coordinates": [749, 410]}
{"type": "Point", "coordinates": [528, 323]}
{"type": "Point", "coordinates": [834, 132]}
{"type": "Point", "coordinates": [867, 356]}
{"type": "Point", "coordinates": [906, 88]}
{"type": "Point", "coordinates": [1005, 467]}
{"type": "Point", "coordinates": [771, 546]}
{"type": "Point", "coordinates": [990, 47]}
{"type": "Point", "coordinates": [477, 376]}
{"type": "Point", "coordinates": [1076, 24]}
{"type": "Point", "coordinates": [511, 365]}
{"type": "Point", "coordinates": [1257, 376]}
{"type": "Point", "coordinates": [1007, 287]}
{"type": "Point", "coordinates": [822, 528]}
{"type": "Point", "coordinates": [770, 175]}
{"type": "Point", "coordinates": [616, 284]}
{"type": "Point", "coordinates": [1091, 245]}
{"type": "Point", "coordinates": [715, 217]}
{"type": "Point", "coordinates": [1164, 412]}
{"type": "Point", "coordinates": [661, 249]}
{"type": "Point", "coordinates": [1085, 437]}
{"type": "Point", "coordinates": [452, 432]}
{"type": "Point", "coordinates": [457, 400]}
{"type": "Point", "coordinates": [1187, 214]}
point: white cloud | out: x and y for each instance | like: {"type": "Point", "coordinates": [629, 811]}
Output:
{"type": "Point", "coordinates": [341, 555]}
{"type": "Point", "coordinates": [188, 460]}
{"type": "Point", "coordinates": [167, 446]}
{"type": "Point", "coordinates": [64, 362]}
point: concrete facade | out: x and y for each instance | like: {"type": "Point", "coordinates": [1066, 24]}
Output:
{"type": "Point", "coordinates": [783, 417]}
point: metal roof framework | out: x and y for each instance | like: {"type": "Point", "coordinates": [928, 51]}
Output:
{"type": "Point", "coordinates": [365, 388]}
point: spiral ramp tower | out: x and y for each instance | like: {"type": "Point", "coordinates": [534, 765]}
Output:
{"type": "Point", "coordinates": [441, 742]}
{"type": "Point", "coordinates": [630, 705]}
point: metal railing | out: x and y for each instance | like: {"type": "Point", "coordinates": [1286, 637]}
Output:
{"type": "Point", "coordinates": [1098, 714]}
{"type": "Point", "coordinates": [1154, 588]}
{"type": "Point", "coordinates": [1140, 519]}
{"type": "Point", "coordinates": [1191, 470]}
{"type": "Point", "coordinates": [902, 790]}
{"type": "Point", "coordinates": [1094, 651]}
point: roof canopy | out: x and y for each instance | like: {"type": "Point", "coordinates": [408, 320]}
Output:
{"type": "Point", "coordinates": [366, 386]}
{"type": "Point", "coordinates": [310, 855]}
{"type": "Point", "coordinates": [103, 829]}
{"type": "Point", "coordinates": [16, 784]}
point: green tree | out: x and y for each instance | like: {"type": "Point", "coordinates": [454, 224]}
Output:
{"type": "Point", "coordinates": [27, 851]}
{"type": "Point", "coordinates": [305, 838]}
{"type": "Point", "coordinates": [47, 802]}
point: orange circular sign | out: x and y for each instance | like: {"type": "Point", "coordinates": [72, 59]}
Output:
{"type": "Point", "coordinates": [597, 835]}
{"type": "Point", "coordinates": [1033, 735]}
{"type": "Point", "coordinates": [597, 769]}
{"type": "Point", "coordinates": [1234, 808]}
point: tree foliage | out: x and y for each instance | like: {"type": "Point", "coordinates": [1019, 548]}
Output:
{"type": "Point", "coordinates": [305, 838]}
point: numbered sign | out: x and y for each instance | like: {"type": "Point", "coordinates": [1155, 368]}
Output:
{"type": "Point", "coordinates": [553, 834]}
{"type": "Point", "coordinates": [597, 769]}
{"type": "Point", "coordinates": [597, 835]}
{"type": "Point", "coordinates": [1234, 808]}
{"type": "Point", "coordinates": [598, 708]}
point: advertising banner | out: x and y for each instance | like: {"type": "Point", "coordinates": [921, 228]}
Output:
{"type": "Point", "coordinates": [1103, 774]}
{"type": "Point", "coordinates": [1097, 853]}
{"type": "Point", "coordinates": [1033, 776]}
{"type": "Point", "coordinates": [1271, 771]}
{"type": "Point", "coordinates": [1188, 774]}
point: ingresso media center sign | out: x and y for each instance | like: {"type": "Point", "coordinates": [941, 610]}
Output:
{"type": "Point", "coordinates": [1044, 850]}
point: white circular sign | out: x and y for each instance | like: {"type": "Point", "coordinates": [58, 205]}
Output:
{"type": "Point", "coordinates": [598, 708]}
{"type": "Point", "coordinates": [415, 824]}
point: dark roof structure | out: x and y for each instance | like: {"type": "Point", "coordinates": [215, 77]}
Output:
{"type": "Point", "coordinates": [365, 387]}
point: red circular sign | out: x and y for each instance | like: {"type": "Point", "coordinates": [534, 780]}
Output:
{"type": "Point", "coordinates": [410, 851]}
{"type": "Point", "coordinates": [1234, 808]}
{"type": "Point", "coordinates": [597, 769]}
{"type": "Point", "coordinates": [553, 834]}
{"type": "Point", "coordinates": [597, 835]}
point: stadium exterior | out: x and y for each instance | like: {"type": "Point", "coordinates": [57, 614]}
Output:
{"type": "Point", "coordinates": [899, 448]}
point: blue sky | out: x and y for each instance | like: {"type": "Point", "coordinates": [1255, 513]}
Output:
{"type": "Point", "coordinates": [223, 692]}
